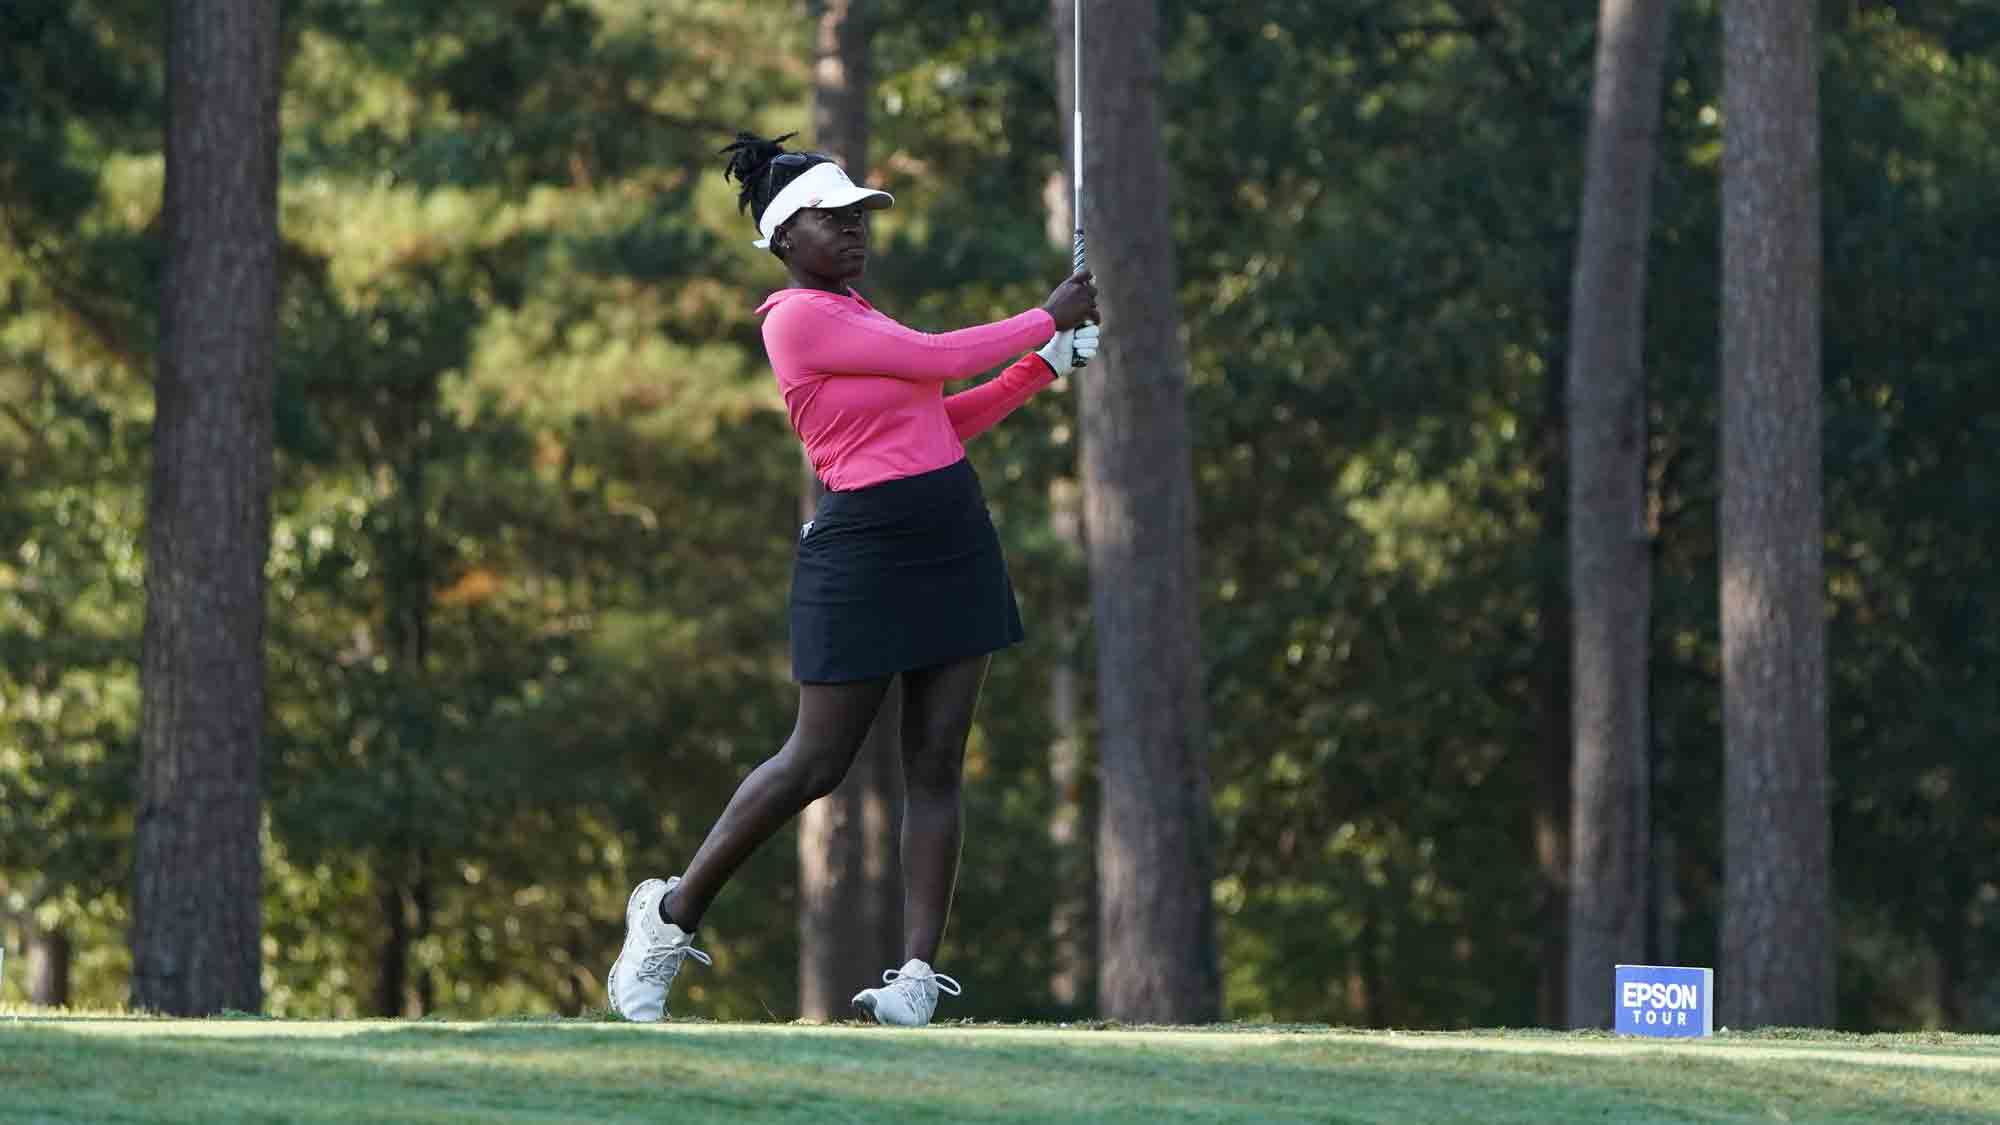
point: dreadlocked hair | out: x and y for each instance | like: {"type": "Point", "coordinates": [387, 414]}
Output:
{"type": "Point", "coordinates": [751, 164]}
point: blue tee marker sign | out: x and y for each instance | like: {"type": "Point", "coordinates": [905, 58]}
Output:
{"type": "Point", "coordinates": [1664, 1001]}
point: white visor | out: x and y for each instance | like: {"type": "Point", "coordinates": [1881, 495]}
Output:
{"type": "Point", "coordinates": [822, 185]}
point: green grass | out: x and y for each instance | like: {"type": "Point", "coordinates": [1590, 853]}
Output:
{"type": "Point", "coordinates": [72, 1068]}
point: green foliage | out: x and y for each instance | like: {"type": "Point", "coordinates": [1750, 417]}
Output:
{"type": "Point", "coordinates": [74, 96]}
{"type": "Point", "coordinates": [536, 496]}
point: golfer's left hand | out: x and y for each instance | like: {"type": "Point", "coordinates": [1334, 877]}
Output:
{"type": "Point", "coordinates": [1069, 350]}
{"type": "Point", "coordinates": [1084, 344]}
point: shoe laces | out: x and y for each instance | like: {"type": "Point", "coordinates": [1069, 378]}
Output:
{"type": "Point", "coordinates": [663, 961]}
{"type": "Point", "coordinates": [912, 984]}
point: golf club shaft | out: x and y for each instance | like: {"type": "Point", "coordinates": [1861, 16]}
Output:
{"type": "Point", "coordinates": [1076, 133]}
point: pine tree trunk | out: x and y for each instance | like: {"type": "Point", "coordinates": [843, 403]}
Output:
{"type": "Point", "coordinates": [424, 995]}
{"type": "Point", "coordinates": [197, 861]}
{"type": "Point", "coordinates": [392, 968]}
{"type": "Point", "coordinates": [48, 955]}
{"type": "Point", "coordinates": [1551, 814]}
{"type": "Point", "coordinates": [850, 876]}
{"type": "Point", "coordinates": [1056, 200]}
{"type": "Point", "coordinates": [1156, 918]}
{"type": "Point", "coordinates": [1777, 950]}
{"type": "Point", "coordinates": [1609, 555]}
{"type": "Point", "coordinates": [1072, 821]}
{"type": "Point", "coordinates": [403, 987]}
{"type": "Point", "coordinates": [404, 562]}
{"type": "Point", "coordinates": [850, 870]}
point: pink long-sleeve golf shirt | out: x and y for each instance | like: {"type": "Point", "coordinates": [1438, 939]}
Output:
{"type": "Point", "coordinates": [866, 394]}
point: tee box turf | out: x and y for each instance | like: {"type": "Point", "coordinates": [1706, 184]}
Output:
{"type": "Point", "coordinates": [1664, 1001]}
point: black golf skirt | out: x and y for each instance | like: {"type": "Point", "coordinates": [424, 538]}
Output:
{"type": "Point", "coordinates": [899, 575]}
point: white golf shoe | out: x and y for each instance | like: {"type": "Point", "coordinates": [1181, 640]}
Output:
{"type": "Point", "coordinates": [908, 995]}
{"type": "Point", "coordinates": [654, 950]}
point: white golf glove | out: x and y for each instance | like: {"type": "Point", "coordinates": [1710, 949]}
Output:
{"type": "Point", "coordinates": [1071, 349]}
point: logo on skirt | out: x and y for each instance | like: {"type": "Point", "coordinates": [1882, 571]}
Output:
{"type": "Point", "coordinates": [806, 530]}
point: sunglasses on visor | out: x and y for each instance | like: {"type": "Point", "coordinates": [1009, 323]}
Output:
{"type": "Point", "coordinates": [793, 159]}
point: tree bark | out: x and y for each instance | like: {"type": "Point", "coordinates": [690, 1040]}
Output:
{"type": "Point", "coordinates": [1609, 559]}
{"type": "Point", "coordinates": [198, 863]}
{"type": "Point", "coordinates": [1777, 949]}
{"type": "Point", "coordinates": [850, 871]}
{"type": "Point", "coordinates": [850, 875]}
{"type": "Point", "coordinates": [403, 987]}
{"type": "Point", "coordinates": [1551, 814]}
{"type": "Point", "coordinates": [1072, 821]}
{"type": "Point", "coordinates": [843, 80]}
{"type": "Point", "coordinates": [392, 974]}
{"type": "Point", "coordinates": [404, 562]}
{"type": "Point", "coordinates": [1056, 189]}
{"type": "Point", "coordinates": [1156, 918]}
{"type": "Point", "coordinates": [48, 956]}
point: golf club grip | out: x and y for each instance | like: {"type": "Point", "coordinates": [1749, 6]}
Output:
{"type": "Point", "coordinates": [1076, 252]}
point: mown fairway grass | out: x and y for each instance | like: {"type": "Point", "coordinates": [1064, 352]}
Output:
{"type": "Point", "coordinates": [65, 1068]}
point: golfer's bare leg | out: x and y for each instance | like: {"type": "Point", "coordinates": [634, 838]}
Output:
{"type": "Point", "coordinates": [833, 721]}
{"type": "Point", "coordinates": [938, 705]}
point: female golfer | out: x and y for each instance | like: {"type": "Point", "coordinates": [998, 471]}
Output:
{"type": "Point", "coordinates": [898, 573]}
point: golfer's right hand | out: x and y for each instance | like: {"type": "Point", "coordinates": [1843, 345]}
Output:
{"type": "Point", "coordinates": [1073, 302]}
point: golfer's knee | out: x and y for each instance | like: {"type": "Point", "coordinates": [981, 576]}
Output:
{"type": "Point", "coordinates": [818, 771]}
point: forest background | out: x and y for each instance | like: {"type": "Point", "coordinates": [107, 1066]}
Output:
{"type": "Point", "coordinates": [535, 495]}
